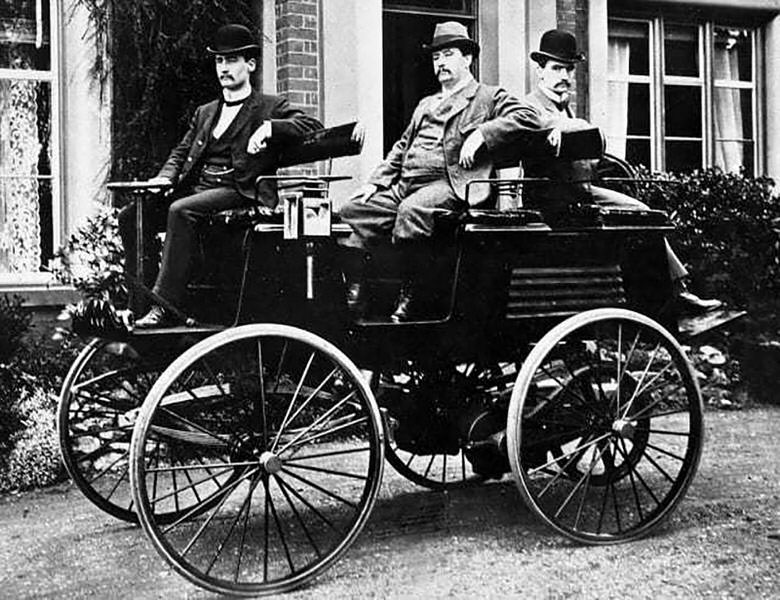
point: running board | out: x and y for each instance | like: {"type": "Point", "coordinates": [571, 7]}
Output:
{"type": "Point", "coordinates": [691, 327]}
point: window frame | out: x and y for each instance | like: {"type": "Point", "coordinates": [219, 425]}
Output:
{"type": "Point", "coordinates": [53, 77]}
{"type": "Point", "coordinates": [657, 80]}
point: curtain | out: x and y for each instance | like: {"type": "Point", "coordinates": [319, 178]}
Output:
{"type": "Point", "coordinates": [727, 109]}
{"type": "Point", "coordinates": [618, 56]}
{"type": "Point", "coordinates": [20, 147]}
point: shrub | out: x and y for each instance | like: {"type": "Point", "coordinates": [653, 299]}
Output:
{"type": "Point", "coordinates": [724, 231]}
{"type": "Point", "coordinates": [92, 259]}
{"type": "Point", "coordinates": [14, 323]}
{"type": "Point", "coordinates": [34, 459]}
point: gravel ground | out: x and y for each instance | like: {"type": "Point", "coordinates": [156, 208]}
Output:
{"type": "Point", "coordinates": [723, 541]}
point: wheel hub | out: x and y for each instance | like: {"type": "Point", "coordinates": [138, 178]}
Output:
{"type": "Point", "coordinates": [270, 462]}
{"type": "Point", "coordinates": [624, 428]}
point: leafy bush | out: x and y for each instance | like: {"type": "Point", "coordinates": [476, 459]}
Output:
{"type": "Point", "coordinates": [34, 459]}
{"type": "Point", "coordinates": [92, 259]}
{"type": "Point", "coordinates": [14, 323]}
{"type": "Point", "coordinates": [724, 231]}
{"type": "Point", "coordinates": [31, 368]}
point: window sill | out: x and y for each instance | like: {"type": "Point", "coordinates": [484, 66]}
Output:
{"type": "Point", "coordinates": [37, 289]}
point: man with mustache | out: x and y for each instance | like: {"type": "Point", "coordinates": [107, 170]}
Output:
{"type": "Point", "coordinates": [423, 178]}
{"type": "Point", "coordinates": [547, 107]}
{"type": "Point", "coordinates": [229, 143]}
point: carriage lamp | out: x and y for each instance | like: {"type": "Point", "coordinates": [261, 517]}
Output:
{"type": "Point", "coordinates": [307, 216]}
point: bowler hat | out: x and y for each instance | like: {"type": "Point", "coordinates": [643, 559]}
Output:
{"type": "Point", "coordinates": [451, 34]}
{"type": "Point", "coordinates": [232, 39]}
{"type": "Point", "coordinates": [558, 45]}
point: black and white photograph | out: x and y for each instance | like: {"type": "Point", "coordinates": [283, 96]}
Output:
{"type": "Point", "coordinates": [390, 299]}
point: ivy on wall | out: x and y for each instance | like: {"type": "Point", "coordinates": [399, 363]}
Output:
{"type": "Point", "coordinates": [152, 54]}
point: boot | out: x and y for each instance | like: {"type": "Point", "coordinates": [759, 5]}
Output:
{"type": "Point", "coordinates": [689, 303]}
{"type": "Point", "coordinates": [414, 296]}
{"type": "Point", "coordinates": [354, 265]}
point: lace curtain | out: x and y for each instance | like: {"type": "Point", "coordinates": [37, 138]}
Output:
{"type": "Point", "coordinates": [20, 147]}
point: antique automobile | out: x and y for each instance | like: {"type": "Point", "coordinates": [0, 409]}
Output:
{"type": "Point", "coordinates": [249, 442]}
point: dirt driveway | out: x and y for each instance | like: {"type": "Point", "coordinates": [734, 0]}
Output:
{"type": "Point", "coordinates": [722, 542]}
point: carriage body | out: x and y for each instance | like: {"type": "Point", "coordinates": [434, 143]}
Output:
{"type": "Point", "coordinates": [259, 433]}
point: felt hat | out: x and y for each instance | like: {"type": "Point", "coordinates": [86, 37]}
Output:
{"type": "Point", "coordinates": [558, 45]}
{"type": "Point", "coordinates": [451, 34]}
{"type": "Point", "coordinates": [233, 39]}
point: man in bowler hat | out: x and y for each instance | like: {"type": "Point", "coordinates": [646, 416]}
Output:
{"type": "Point", "coordinates": [547, 107]}
{"type": "Point", "coordinates": [229, 143]}
{"type": "Point", "coordinates": [424, 176]}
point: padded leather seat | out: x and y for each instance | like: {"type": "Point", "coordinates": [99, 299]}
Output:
{"type": "Point", "coordinates": [504, 218]}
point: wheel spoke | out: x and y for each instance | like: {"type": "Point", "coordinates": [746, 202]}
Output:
{"type": "Point", "coordinates": [319, 488]}
{"type": "Point", "coordinates": [298, 517]}
{"type": "Point", "coordinates": [329, 471]}
{"type": "Point", "coordinates": [286, 418]}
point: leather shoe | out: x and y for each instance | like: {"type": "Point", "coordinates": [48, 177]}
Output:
{"type": "Point", "coordinates": [157, 317]}
{"type": "Point", "coordinates": [404, 305]}
{"type": "Point", "coordinates": [690, 304]}
{"type": "Point", "coordinates": [356, 299]}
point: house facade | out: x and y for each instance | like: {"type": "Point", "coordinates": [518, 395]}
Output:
{"type": "Point", "coordinates": [674, 84]}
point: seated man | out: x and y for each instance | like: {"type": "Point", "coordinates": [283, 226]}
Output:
{"type": "Point", "coordinates": [425, 173]}
{"type": "Point", "coordinates": [547, 108]}
{"type": "Point", "coordinates": [229, 143]}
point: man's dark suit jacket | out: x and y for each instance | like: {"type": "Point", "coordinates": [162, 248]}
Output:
{"type": "Point", "coordinates": [288, 125]}
{"type": "Point", "coordinates": [571, 177]}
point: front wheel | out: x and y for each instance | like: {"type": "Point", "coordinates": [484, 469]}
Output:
{"type": "Point", "coordinates": [605, 426]}
{"type": "Point", "coordinates": [279, 453]}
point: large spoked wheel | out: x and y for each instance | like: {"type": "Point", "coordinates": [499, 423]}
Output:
{"type": "Point", "coordinates": [605, 426]}
{"type": "Point", "coordinates": [275, 430]}
{"type": "Point", "coordinates": [100, 396]}
{"type": "Point", "coordinates": [439, 419]}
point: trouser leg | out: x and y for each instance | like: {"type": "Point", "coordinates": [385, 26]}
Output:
{"type": "Point", "coordinates": [181, 240]}
{"type": "Point", "coordinates": [371, 221]}
{"type": "Point", "coordinates": [611, 198]}
{"type": "Point", "coordinates": [420, 210]}
{"type": "Point", "coordinates": [154, 215]}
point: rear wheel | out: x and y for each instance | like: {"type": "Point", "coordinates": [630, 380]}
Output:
{"type": "Point", "coordinates": [275, 429]}
{"type": "Point", "coordinates": [100, 397]}
{"type": "Point", "coordinates": [605, 426]}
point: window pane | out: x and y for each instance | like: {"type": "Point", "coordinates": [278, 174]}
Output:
{"type": "Point", "coordinates": [682, 111]}
{"type": "Point", "coordinates": [629, 49]}
{"type": "Point", "coordinates": [24, 35]}
{"type": "Point", "coordinates": [681, 50]}
{"type": "Point", "coordinates": [733, 55]}
{"type": "Point", "coordinates": [638, 152]}
{"type": "Point", "coordinates": [683, 156]}
{"type": "Point", "coordinates": [730, 156]}
{"type": "Point", "coordinates": [733, 113]}
{"type": "Point", "coordinates": [639, 109]}
{"type": "Point", "coordinates": [25, 160]}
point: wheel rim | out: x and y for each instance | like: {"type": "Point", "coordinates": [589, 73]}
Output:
{"type": "Point", "coordinates": [442, 469]}
{"type": "Point", "coordinates": [278, 432]}
{"type": "Point", "coordinates": [605, 426]}
{"type": "Point", "coordinates": [100, 396]}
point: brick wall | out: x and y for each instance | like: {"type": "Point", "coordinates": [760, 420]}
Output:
{"type": "Point", "coordinates": [297, 53]}
{"type": "Point", "coordinates": [572, 15]}
{"type": "Point", "coordinates": [298, 60]}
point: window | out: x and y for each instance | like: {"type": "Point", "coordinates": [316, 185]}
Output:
{"type": "Point", "coordinates": [682, 95]}
{"type": "Point", "coordinates": [29, 211]}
